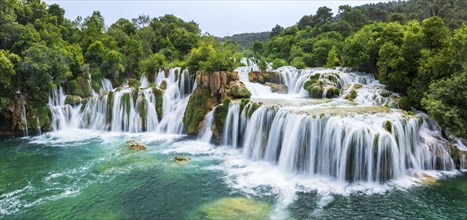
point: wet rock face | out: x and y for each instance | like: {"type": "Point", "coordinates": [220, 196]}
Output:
{"type": "Point", "coordinates": [211, 90]}
{"type": "Point", "coordinates": [237, 90]}
{"type": "Point", "coordinates": [218, 82]}
{"type": "Point", "coordinates": [265, 77]}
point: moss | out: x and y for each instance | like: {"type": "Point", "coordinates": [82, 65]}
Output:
{"type": "Point", "coordinates": [357, 86]}
{"type": "Point", "coordinates": [163, 85]}
{"type": "Point", "coordinates": [159, 94]}
{"type": "Point", "coordinates": [314, 86]}
{"type": "Point", "coordinates": [352, 95]}
{"type": "Point", "coordinates": [332, 92]}
{"type": "Point", "coordinates": [388, 126]}
{"type": "Point", "coordinates": [251, 108]}
{"type": "Point", "coordinates": [243, 103]}
{"type": "Point", "coordinates": [220, 114]}
{"type": "Point", "coordinates": [143, 109]}
{"type": "Point", "coordinates": [134, 83]}
{"type": "Point", "coordinates": [238, 91]}
{"type": "Point", "coordinates": [110, 102]}
{"type": "Point", "coordinates": [72, 100]}
{"type": "Point", "coordinates": [197, 107]}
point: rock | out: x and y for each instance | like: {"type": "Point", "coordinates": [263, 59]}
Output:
{"type": "Point", "coordinates": [279, 88]}
{"type": "Point", "coordinates": [181, 159]}
{"type": "Point", "coordinates": [200, 103]}
{"type": "Point", "coordinates": [220, 113]}
{"type": "Point", "coordinates": [429, 179]}
{"type": "Point", "coordinates": [352, 95]}
{"type": "Point", "coordinates": [332, 92]}
{"type": "Point", "coordinates": [237, 89]}
{"type": "Point", "coordinates": [72, 100]}
{"type": "Point", "coordinates": [214, 83]}
{"type": "Point", "coordinates": [136, 146]}
{"type": "Point", "coordinates": [163, 85]}
{"type": "Point", "coordinates": [263, 77]}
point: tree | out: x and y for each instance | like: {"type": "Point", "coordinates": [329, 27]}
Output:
{"type": "Point", "coordinates": [332, 58]}
{"type": "Point", "coordinates": [263, 65]}
{"type": "Point", "coordinates": [44, 68]}
{"type": "Point", "coordinates": [276, 30]}
{"type": "Point", "coordinates": [153, 63]}
{"type": "Point", "coordinates": [445, 102]}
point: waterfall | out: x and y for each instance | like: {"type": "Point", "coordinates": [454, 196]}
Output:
{"type": "Point", "coordinates": [231, 126]}
{"type": "Point", "coordinates": [126, 109]}
{"type": "Point", "coordinates": [354, 147]}
{"type": "Point", "coordinates": [463, 162]}
{"type": "Point", "coordinates": [206, 133]}
{"type": "Point", "coordinates": [256, 89]}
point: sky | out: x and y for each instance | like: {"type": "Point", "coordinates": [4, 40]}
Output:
{"type": "Point", "coordinates": [220, 18]}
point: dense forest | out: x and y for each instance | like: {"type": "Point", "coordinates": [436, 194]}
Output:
{"type": "Point", "coordinates": [247, 39]}
{"type": "Point", "coordinates": [416, 47]}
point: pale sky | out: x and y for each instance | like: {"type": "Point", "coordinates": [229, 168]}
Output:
{"type": "Point", "coordinates": [220, 18]}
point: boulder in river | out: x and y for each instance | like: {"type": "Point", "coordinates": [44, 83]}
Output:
{"type": "Point", "coordinates": [137, 146]}
{"type": "Point", "coordinates": [181, 159]}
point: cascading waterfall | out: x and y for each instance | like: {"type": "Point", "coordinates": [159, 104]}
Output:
{"type": "Point", "coordinates": [463, 162]}
{"type": "Point", "coordinates": [360, 147]}
{"type": "Point", "coordinates": [255, 89]}
{"type": "Point", "coordinates": [206, 134]}
{"type": "Point", "coordinates": [128, 109]}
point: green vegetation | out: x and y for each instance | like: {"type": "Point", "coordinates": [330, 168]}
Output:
{"type": "Point", "coordinates": [196, 109]}
{"type": "Point", "coordinates": [416, 47]}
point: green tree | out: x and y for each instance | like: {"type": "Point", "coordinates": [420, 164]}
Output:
{"type": "Point", "coordinates": [332, 58]}
{"type": "Point", "coordinates": [445, 102]}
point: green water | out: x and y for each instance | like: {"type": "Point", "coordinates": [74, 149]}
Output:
{"type": "Point", "coordinates": [92, 175]}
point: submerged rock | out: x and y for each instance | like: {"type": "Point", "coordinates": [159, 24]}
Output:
{"type": "Point", "coordinates": [235, 208]}
{"type": "Point", "coordinates": [181, 159]}
{"type": "Point", "coordinates": [137, 146]}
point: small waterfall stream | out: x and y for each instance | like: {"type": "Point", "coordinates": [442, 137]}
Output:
{"type": "Point", "coordinates": [125, 109]}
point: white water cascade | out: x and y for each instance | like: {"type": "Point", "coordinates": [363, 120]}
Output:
{"type": "Point", "coordinates": [127, 109]}
{"type": "Point", "coordinates": [205, 135]}
{"type": "Point", "coordinates": [256, 89]}
{"type": "Point", "coordinates": [355, 147]}
{"type": "Point", "coordinates": [349, 140]}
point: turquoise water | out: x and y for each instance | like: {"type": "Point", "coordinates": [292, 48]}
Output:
{"type": "Point", "coordinates": [82, 174]}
